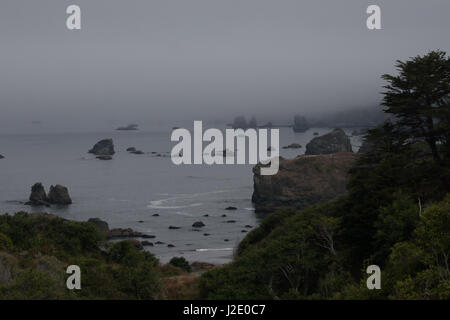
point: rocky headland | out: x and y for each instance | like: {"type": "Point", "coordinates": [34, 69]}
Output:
{"type": "Point", "coordinates": [302, 181]}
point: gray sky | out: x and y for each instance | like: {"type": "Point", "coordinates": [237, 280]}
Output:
{"type": "Point", "coordinates": [162, 61]}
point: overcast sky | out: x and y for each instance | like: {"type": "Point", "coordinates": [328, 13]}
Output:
{"type": "Point", "coordinates": [162, 61]}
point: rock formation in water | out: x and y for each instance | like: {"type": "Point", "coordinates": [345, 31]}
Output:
{"type": "Point", "coordinates": [302, 181]}
{"type": "Point", "coordinates": [59, 195]}
{"type": "Point", "coordinates": [1, 157]}
{"type": "Point", "coordinates": [292, 146]}
{"type": "Point", "coordinates": [130, 127]}
{"type": "Point", "coordinates": [332, 142]}
{"type": "Point", "coordinates": [117, 233]}
{"type": "Point", "coordinates": [198, 224]}
{"type": "Point", "coordinates": [300, 124]}
{"type": "Point", "coordinates": [38, 196]}
{"type": "Point", "coordinates": [104, 147]}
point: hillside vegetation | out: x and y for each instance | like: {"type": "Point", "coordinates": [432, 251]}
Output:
{"type": "Point", "coordinates": [396, 214]}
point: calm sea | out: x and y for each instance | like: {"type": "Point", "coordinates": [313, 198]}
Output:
{"type": "Point", "coordinates": [132, 188]}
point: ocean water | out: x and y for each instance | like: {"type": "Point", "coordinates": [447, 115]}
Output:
{"type": "Point", "coordinates": [132, 188]}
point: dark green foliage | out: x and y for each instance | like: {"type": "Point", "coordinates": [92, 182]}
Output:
{"type": "Point", "coordinates": [180, 262]}
{"type": "Point", "coordinates": [42, 246]}
{"type": "Point", "coordinates": [393, 215]}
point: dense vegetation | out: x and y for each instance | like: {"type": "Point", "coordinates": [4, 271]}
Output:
{"type": "Point", "coordinates": [396, 214]}
{"type": "Point", "coordinates": [35, 250]}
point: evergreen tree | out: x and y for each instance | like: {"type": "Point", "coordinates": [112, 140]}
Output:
{"type": "Point", "coordinates": [419, 99]}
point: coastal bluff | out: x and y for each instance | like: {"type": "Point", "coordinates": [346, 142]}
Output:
{"type": "Point", "coordinates": [302, 181]}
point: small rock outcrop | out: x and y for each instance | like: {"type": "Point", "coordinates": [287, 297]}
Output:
{"type": "Point", "coordinates": [38, 196]}
{"type": "Point", "coordinates": [1, 157]}
{"type": "Point", "coordinates": [117, 233]}
{"type": "Point", "coordinates": [198, 224]}
{"type": "Point", "coordinates": [230, 208]}
{"type": "Point", "coordinates": [292, 146]}
{"type": "Point", "coordinates": [59, 195]}
{"type": "Point", "coordinates": [302, 181]}
{"type": "Point", "coordinates": [333, 142]}
{"type": "Point", "coordinates": [130, 127]}
{"type": "Point", "coordinates": [104, 147]}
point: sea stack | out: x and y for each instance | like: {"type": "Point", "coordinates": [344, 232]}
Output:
{"type": "Point", "coordinates": [38, 196]}
{"type": "Point", "coordinates": [59, 195]}
{"type": "Point", "coordinates": [104, 147]}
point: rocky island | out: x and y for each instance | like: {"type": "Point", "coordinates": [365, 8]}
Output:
{"type": "Point", "coordinates": [104, 147]}
{"type": "Point", "coordinates": [130, 127]}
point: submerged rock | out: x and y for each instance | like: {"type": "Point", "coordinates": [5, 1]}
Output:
{"type": "Point", "coordinates": [230, 208]}
{"type": "Point", "coordinates": [131, 149]}
{"type": "Point", "coordinates": [1, 157]}
{"type": "Point", "coordinates": [104, 147]}
{"type": "Point", "coordinates": [333, 142]}
{"type": "Point", "coordinates": [302, 181]}
{"type": "Point", "coordinates": [38, 196]}
{"type": "Point", "coordinates": [174, 228]}
{"type": "Point", "coordinates": [59, 195]}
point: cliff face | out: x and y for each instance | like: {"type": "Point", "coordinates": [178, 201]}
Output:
{"type": "Point", "coordinates": [302, 181]}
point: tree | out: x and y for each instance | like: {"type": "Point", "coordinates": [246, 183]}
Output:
{"type": "Point", "coordinates": [419, 99]}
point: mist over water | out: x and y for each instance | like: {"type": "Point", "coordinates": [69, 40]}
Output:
{"type": "Point", "coordinates": [160, 62]}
